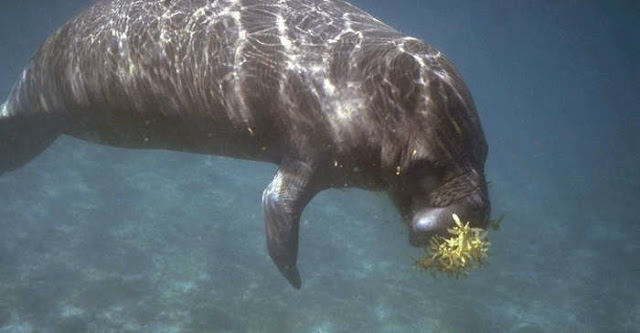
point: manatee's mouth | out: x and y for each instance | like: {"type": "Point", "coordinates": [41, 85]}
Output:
{"type": "Point", "coordinates": [428, 222]}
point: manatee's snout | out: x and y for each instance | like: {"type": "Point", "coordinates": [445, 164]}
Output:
{"type": "Point", "coordinates": [428, 222]}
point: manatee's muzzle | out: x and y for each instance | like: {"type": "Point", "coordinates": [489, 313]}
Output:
{"type": "Point", "coordinates": [474, 208]}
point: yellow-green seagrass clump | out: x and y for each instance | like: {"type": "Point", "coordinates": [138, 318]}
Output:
{"type": "Point", "coordinates": [453, 255]}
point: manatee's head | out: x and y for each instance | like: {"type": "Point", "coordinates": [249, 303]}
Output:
{"type": "Point", "coordinates": [471, 205]}
{"type": "Point", "coordinates": [432, 145]}
{"type": "Point", "coordinates": [428, 201]}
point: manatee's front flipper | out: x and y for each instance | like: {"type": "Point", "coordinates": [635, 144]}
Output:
{"type": "Point", "coordinates": [282, 204]}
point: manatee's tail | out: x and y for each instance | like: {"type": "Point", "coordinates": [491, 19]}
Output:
{"type": "Point", "coordinates": [24, 136]}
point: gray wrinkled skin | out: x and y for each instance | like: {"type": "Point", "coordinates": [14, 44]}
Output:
{"type": "Point", "coordinates": [330, 94]}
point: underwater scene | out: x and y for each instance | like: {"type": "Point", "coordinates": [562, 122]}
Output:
{"type": "Point", "coordinates": [96, 238]}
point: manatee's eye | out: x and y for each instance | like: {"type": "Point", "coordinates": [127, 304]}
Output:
{"type": "Point", "coordinates": [413, 193]}
{"type": "Point", "coordinates": [424, 177]}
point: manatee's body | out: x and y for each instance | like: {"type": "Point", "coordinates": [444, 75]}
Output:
{"type": "Point", "coordinates": [321, 88]}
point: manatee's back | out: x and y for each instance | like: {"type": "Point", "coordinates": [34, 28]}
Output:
{"type": "Point", "coordinates": [108, 64]}
{"type": "Point", "coordinates": [231, 65]}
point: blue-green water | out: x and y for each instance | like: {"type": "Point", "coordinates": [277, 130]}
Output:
{"type": "Point", "coordinates": [98, 239]}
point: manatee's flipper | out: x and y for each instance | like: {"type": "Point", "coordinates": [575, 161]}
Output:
{"type": "Point", "coordinates": [24, 136]}
{"type": "Point", "coordinates": [282, 204]}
